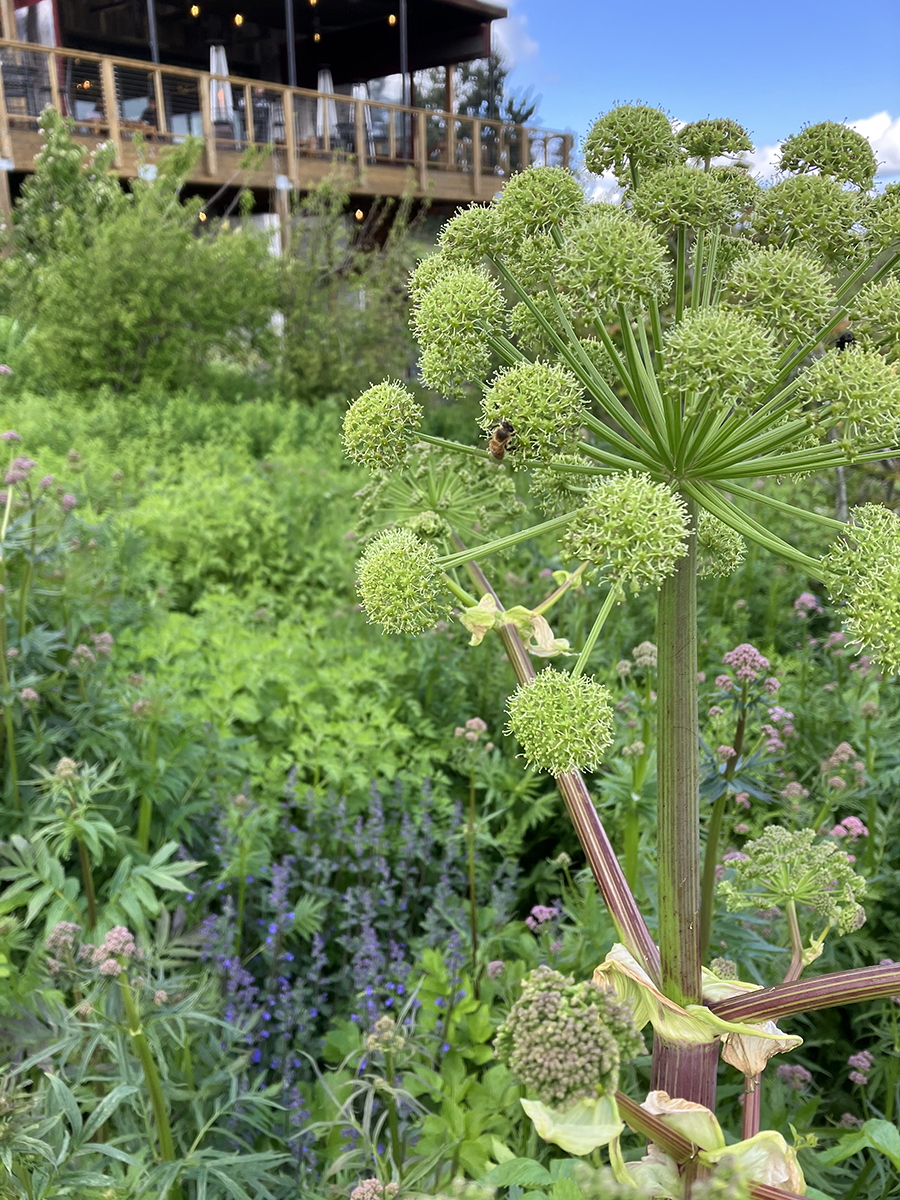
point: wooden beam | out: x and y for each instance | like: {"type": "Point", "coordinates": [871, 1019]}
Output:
{"type": "Point", "coordinates": [6, 149]}
{"type": "Point", "coordinates": [422, 149]}
{"type": "Point", "coordinates": [476, 156]}
{"type": "Point", "coordinates": [359, 134]}
{"type": "Point", "coordinates": [8, 20]}
{"type": "Point", "coordinates": [111, 105]}
{"type": "Point", "coordinates": [209, 132]}
{"type": "Point", "coordinates": [290, 136]}
{"type": "Point", "coordinates": [450, 106]}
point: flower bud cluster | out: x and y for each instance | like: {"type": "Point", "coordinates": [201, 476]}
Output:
{"type": "Point", "coordinates": [385, 1037]}
{"type": "Point", "coordinates": [794, 1076]}
{"type": "Point", "coordinates": [567, 1041]}
{"type": "Point", "coordinates": [811, 212]}
{"type": "Point", "coordinates": [876, 318]}
{"type": "Point", "coordinates": [452, 322]}
{"type": "Point", "coordinates": [865, 569]}
{"type": "Point", "coordinates": [862, 391]}
{"type": "Point", "coordinates": [372, 1189]}
{"type": "Point", "coordinates": [635, 530]}
{"type": "Point", "coordinates": [833, 150]}
{"type": "Point", "coordinates": [645, 655]}
{"type": "Point", "coordinates": [746, 662]}
{"type": "Point", "coordinates": [713, 137]}
{"type": "Point", "coordinates": [470, 235]}
{"type": "Point", "coordinates": [562, 723]}
{"type": "Point", "coordinates": [681, 195]}
{"type": "Point", "coordinates": [719, 357]}
{"type": "Point", "coordinates": [399, 582]}
{"type": "Point", "coordinates": [794, 865]}
{"type": "Point", "coordinates": [543, 403]}
{"type": "Point", "coordinates": [611, 258]}
{"type": "Point", "coordinates": [629, 139]}
{"type": "Point", "coordinates": [785, 288]}
{"type": "Point", "coordinates": [537, 200]}
{"type": "Point", "coordinates": [720, 550]}
{"type": "Point", "coordinates": [377, 426]}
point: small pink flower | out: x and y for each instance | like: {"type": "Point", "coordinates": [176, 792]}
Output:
{"type": "Point", "coordinates": [545, 574]}
{"type": "Point", "coordinates": [734, 856]}
{"type": "Point", "coordinates": [724, 682]}
{"type": "Point", "coordinates": [496, 968]}
{"type": "Point", "coordinates": [160, 997]}
{"type": "Point", "coordinates": [726, 752]}
{"type": "Point", "coordinates": [459, 731]}
{"type": "Point", "coordinates": [5, 370]}
{"type": "Point", "coordinates": [715, 710]}
{"type": "Point", "coordinates": [46, 482]}
{"type": "Point", "coordinates": [110, 967]}
{"type": "Point", "coordinates": [11, 436]}
{"type": "Point", "coordinates": [794, 791]}
{"type": "Point", "coordinates": [806, 604]}
{"type": "Point", "coordinates": [772, 685]}
{"type": "Point", "coordinates": [836, 782]}
{"type": "Point", "coordinates": [742, 829]}
{"type": "Point", "coordinates": [747, 662]}
{"type": "Point", "coordinates": [476, 725]}
{"type": "Point", "coordinates": [829, 687]}
{"type": "Point", "coordinates": [742, 799]}
{"type": "Point", "coordinates": [701, 677]}
{"type": "Point", "coordinates": [471, 735]}
{"type": "Point", "coordinates": [28, 696]}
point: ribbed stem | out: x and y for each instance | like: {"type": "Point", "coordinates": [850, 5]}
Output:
{"type": "Point", "coordinates": [678, 824]}
{"type": "Point", "coordinates": [809, 995]}
{"type": "Point", "coordinates": [686, 1070]}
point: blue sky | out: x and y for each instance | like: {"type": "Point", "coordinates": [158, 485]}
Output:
{"type": "Point", "coordinates": [770, 65]}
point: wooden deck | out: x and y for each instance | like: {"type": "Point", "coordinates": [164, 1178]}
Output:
{"type": "Point", "coordinates": [259, 135]}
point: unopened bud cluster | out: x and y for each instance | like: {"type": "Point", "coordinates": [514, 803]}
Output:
{"type": "Point", "coordinates": [562, 723]}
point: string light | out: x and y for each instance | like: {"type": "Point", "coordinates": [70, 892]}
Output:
{"type": "Point", "coordinates": [202, 216]}
{"type": "Point", "coordinates": [195, 10]}
{"type": "Point", "coordinates": [313, 3]}
{"type": "Point", "coordinates": [392, 19]}
{"type": "Point", "coordinates": [238, 19]}
{"type": "Point", "coordinates": [359, 214]}
{"type": "Point", "coordinates": [317, 37]}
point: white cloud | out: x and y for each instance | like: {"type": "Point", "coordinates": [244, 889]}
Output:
{"type": "Point", "coordinates": [512, 40]}
{"type": "Point", "coordinates": [883, 132]}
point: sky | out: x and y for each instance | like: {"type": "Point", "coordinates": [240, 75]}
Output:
{"type": "Point", "coordinates": [772, 66]}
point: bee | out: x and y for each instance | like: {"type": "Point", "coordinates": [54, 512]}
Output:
{"type": "Point", "coordinates": [501, 440]}
{"type": "Point", "coordinates": [845, 339]}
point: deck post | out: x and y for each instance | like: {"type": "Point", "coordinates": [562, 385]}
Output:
{"type": "Point", "coordinates": [476, 157]}
{"type": "Point", "coordinates": [566, 149]}
{"type": "Point", "coordinates": [8, 20]}
{"type": "Point", "coordinates": [422, 149]}
{"type": "Point", "coordinates": [209, 133]}
{"type": "Point", "coordinates": [290, 137]}
{"type": "Point", "coordinates": [6, 149]}
{"type": "Point", "coordinates": [359, 137]}
{"type": "Point", "coordinates": [162, 121]}
{"type": "Point", "coordinates": [450, 105]}
{"type": "Point", "coordinates": [248, 114]}
{"type": "Point", "coordinates": [53, 68]}
{"type": "Point", "coordinates": [111, 105]}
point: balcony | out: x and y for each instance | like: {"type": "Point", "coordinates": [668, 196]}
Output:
{"type": "Point", "coordinates": [259, 135]}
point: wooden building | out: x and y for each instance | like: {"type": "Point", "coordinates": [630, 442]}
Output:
{"type": "Point", "coordinates": [277, 90]}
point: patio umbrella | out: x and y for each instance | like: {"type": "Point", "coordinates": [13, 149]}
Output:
{"type": "Point", "coordinates": [326, 110]}
{"type": "Point", "coordinates": [221, 98]}
{"type": "Point", "coordinates": [361, 92]}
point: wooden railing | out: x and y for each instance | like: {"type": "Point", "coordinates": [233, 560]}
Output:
{"type": "Point", "coordinates": [299, 132]}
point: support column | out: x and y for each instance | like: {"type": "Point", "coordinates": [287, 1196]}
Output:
{"type": "Point", "coordinates": [154, 37]}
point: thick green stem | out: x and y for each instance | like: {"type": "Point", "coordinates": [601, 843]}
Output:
{"type": "Point", "coordinates": [87, 879]}
{"type": "Point", "coordinates": [711, 854]}
{"type": "Point", "coordinates": [151, 1077]}
{"type": "Point", "coordinates": [632, 841]}
{"type": "Point", "coordinates": [473, 902]}
{"type": "Point", "coordinates": [793, 971]}
{"type": "Point", "coordinates": [752, 1098]}
{"type": "Point", "coordinates": [393, 1122]}
{"type": "Point", "coordinates": [606, 608]}
{"type": "Point", "coordinates": [679, 780]}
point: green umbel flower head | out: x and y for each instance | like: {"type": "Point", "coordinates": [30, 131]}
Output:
{"type": "Point", "coordinates": [377, 425]}
{"type": "Point", "coordinates": [833, 150]}
{"type": "Point", "coordinates": [784, 289]}
{"type": "Point", "coordinates": [530, 331]}
{"type": "Point", "coordinates": [426, 274]}
{"type": "Point", "coordinates": [682, 195]}
{"type": "Point", "coordinates": [399, 582]}
{"type": "Point", "coordinates": [543, 403]}
{"type": "Point", "coordinates": [633, 529]}
{"type": "Point", "coordinates": [720, 550]}
{"type": "Point", "coordinates": [452, 322]}
{"type": "Point", "coordinates": [566, 1041]}
{"type": "Point", "coordinates": [796, 865]}
{"type": "Point", "coordinates": [863, 391]}
{"type": "Point", "coordinates": [630, 139]}
{"type": "Point", "coordinates": [536, 200]}
{"type": "Point", "coordinates": [719, 358]}
{"type": "Point", "coordinates": [876, 318]}
{"type": "Point", "coordinates": [611, 257]}
{"type": "Point", "coordinates": [713, 138]}
{"type": "Point", "coordinates": [471, 234]}
{"type": "Point", "coordinates": [534, 261]}
{"type": "Point", "coordinates": [883, 218]}
{"type": "Point", "coordinates": [558, 491]}
{"type": "Point", "coordinates": [562, 724]}
{"type": "Point", "coordinates": [813, 213]}
{"type": "Point", "coordinates": [864, 569]}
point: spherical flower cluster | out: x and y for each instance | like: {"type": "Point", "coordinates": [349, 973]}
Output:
{"type": "Point", "coordinates": [876, 318]}
{"type": "Point", "coordinates": [862, 391]}
{"type": "Point", "coordinates": [66, 768]}
{"type": "Point", "coordinates": [371, 1189]}
{"type": "Point", "coordinates": [536, 200]}
{"type": "Point", "coordinates": [720, 550]}
{"type": "Point", "coordinates": [611, 258]}
{"type": "Point", "coordinates": [426, 274]}
{"type": "Point", "coordinates": [540, 915]}
{"type": "Point", "coordinates": [794, 865]}
{"type": "Point", "coordinates": [682, 195]}
{"type": "Point", "coordinates": [746, 662]}
{"type": "Point", "coordinates": [496, 968]}
{"type": "Point", "coordinates": [811, 212]}
{"type": "Point", "coordinates": [61, 938]}
{"type": "Point", "coordinates": [385, 1036]}
{"type": "Point", "coordinates": [783, 288]}
{"type": "Point", "coordinates": [833, 150]}
{"type": "Point", "coordinates": [452, 322]}
{"type": "Point", "coordinates": [562, 723]}
{"type": "Point", "coordinates": [556, 491]}
{"type": "Point", "coordinates": [119, 942]}
{"type": "Point", "coordinates": [566, 1041]}
{"type": "Point", "coordinates": [806, 605]}
{"type": "Point", "coordinates": [849, 827]}
{"type": "Point", "coordinates": [160, 997]}
{"type": "Point", "coordinates": [543, 403]}
{"type": "Point", "coordinates": [470, 235]}
{"type": "Point", "coordinates": [68, 502]}
{"type": "Point", "coordinates": [634, 529]}
{"type": "Point", "coordinates": [713, 138]}
{"type": "Point", "coordinates": [29, 696]}
{"type": "Point", "coordinates": [630, 139]}
{"type": "Point", "coordinates": [883, 218]}
{"type": "Point", "coordinates": [867, 573]}
{"type": "Point", "coordinates": [719, 357]}
{"type": "Point", "coordinates": [795, 1076]}
{"type": "Point", "coordinates": [377, 425]}
{"type": "Point", "coordinates": [399, 582]}
{"type": "Point", "coordinates": [111, 966]}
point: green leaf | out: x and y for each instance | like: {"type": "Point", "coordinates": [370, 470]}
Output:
{"type": "Point", "coordinates": [107, 1107]}
{"type": "Point", "coordinates": [519, 1171]}
{"type": "Point", "coordinates": [885, 1138]}
{"type": "Point", "coordinates": [566, 1189]}
{"type": "Point", "coordinates": [67, 1102]}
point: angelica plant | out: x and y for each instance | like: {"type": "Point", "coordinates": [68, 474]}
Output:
{"type": "Point", "coordinates": [651, 358]}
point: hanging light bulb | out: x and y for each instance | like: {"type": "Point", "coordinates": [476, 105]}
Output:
{"type": "Point", "coordinates": [317, 37]}
{"type": "Point", "coordinates": [195, 10]}
{"type": "Point", "coordinates": [359, 214]}
{"type": "Point", "coordinates": [238, 19]}
{"type": "Point", "coordinates": [392, 19]}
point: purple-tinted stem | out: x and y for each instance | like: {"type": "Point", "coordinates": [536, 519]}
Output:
{"type": "Point", "coordinates": [686, 1069]}
{"type": "Point", "coordinates": [808, 995]}
{"type": "Point", "coordinates": [598, 850]}
{"type": "Point", "coordinates": [752, 1096]}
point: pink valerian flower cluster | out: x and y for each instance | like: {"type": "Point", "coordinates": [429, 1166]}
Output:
{"type": "Point", "coordinates": [746, 662]}
{"type": "Point", "coordinates": [541, 915]}
{"type": "Point", "coordinates": [726, 752]}
{"type": "Point", "coordinates": [864, 665]}
{"type": "Point", "coordinates": [118, 943]}
{"type": "Point", "coordinates": [496, 968]}
{"type": "Point", "coordinates": [731, 856]}
{"type": "Point", "coordinates": [848, 1121]}
{"type": "Point", "coordinates": [724, 682]}
{"type": "Point", "coordinates": [61, 938]}
{"type": "Point", "coordinates": [68, 502]}
{"type": "Point", "coordinates": [794, 1076]}
{"type": "Point", "coordinates": [851, 827]}
{"type": "Point", "coordinates": [29, 696]}
{"type": "Point", "coordinates": [794, 791]}
{"type": "Point", "coordinates": [19, 470]}
{"type": "Point", "coordinates": [842, 756]}
{"type": "Point", "coordinates": [371, 1189]}
{"type": "Point", "coordinates": [806, 605]}
{"type": "Point", "coordinates": [771, 685]}
{"type": "Point", "coordinates": [742, 799]}
{"type": "Point", "coordinates": [835, 643]}
{"type": "Point", "coordinates": [103, 643]}
{"type": "Point", "coordinates": [862, 1065]}
{"type": "Point", "coordinates": [11, 436]}
{"type": "Point", "coordinates": [472, 731]}
{"type": "Point", "coordinates": [82, 655]}
{"type": "Point", "coordinates": [716, 710]}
